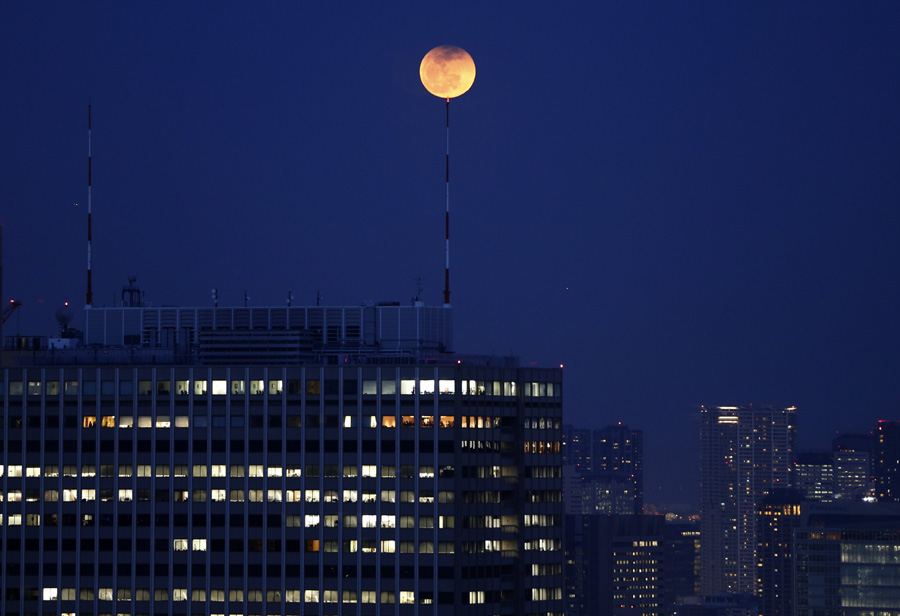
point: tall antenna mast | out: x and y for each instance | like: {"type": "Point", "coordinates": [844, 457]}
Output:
{"type": "Point", "coordinates": [447, 72]}
{"type": "Point", "coordinates": [89, 299]}
{"type": "Point", "coordinates": [447, 219]}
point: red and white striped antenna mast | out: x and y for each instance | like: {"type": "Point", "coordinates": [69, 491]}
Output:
{"type": "Point", "coordinates": [89, 300]}
{"type": "Point", "coordinates": [447, 72]}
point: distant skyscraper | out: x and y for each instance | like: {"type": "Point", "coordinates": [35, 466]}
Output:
{"type": "Point", "coordinates": [618, 449]}
{"type": "Point", "coordinates": [745, 453]}
{"type": "Point", "coordinates": [614, 565]}
{"type": "Point", "coordinates": [577, 447]}
{"type": "Point", "coordinates": [813, 476]}
{"type": "Point", "coordinates": [852, 465]}
{"type": "Point", "coordinates": [682, 561]}
{"type": "Point", "coordinates": [886, 460]}
{"type": "Point", "coordinates": [777, 516]}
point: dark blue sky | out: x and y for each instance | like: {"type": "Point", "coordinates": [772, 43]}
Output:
{"type": "Point", "coordinates": [685, 203]}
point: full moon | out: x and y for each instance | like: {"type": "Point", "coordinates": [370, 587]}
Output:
{"type": "Point", "coordinates": [447, 71]}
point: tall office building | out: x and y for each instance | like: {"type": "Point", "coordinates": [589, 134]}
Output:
{"type": "Point", "coordinates": [886, 460]}
{"type": "Point", "coordinates": [293, 460]}
{"type": "Point", "coordinates": [620, 450]}
{"type": "Point", "coordinates": [745, 453]}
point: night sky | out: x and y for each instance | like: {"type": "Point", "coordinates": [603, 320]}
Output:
{"type": "Point", "coordinates": [684, 203]}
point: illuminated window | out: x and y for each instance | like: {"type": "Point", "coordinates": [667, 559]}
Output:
{"type": "Point", "coordinates": [275, 471]}
{"type": "Point", "coordinates": [348, 421]}
{"type": "Point", "coordinates": [407, 387]}
{"type": "Point", "coordinates": [426, 388]}
{"type": "Point", "coordinates": [237, 388]}
{"type": "Point", "coordinates": [350, 496]}
{"type": "Point", "coordinates": [369, 387]}
{"type": "Point", "coordinates": [311, 596]}
{"type": "Point", "coordinates": [126, 496]}
{"type": "Point", "coordinates": [49, 594]}
{"type": "Point", "coordinates": [145, 422]}
{"type": "Point", "coordinates": [126, 422]}
{"type": "Point", "coordinates": [89, 421]}
{"type": "Point", "coordinates": [199, 470]}
{"type": "Point", "coordinates": [218, 470]}
{"type": "Point", "coordinates": [407, 596]}
{"type": "Point", "coordinates": [179, 594]}
{"type": "Point", "coordinates": [350, 471]}
{"type": "Point", "coordinates": [219, 388]}
{"type": "Point", "coordinates": [257, 387]}
{"type": "Point", "coordinates": [181, 545]}
{"type": "Point", "coordinates": [182, 421]}
{"type": "Point", "coordinates": [312, 496]}
{"type": "Point", "coordinates": [275, 387]}
{"type": "Point", "coordinates": [108, 421]}
{"type": "Point", "coordinates": [408, 421]}
{"type": "Point", "coordinates": [388, 421]}
{"type": "Point", "coordinates": [200, 388]}
{"type": "Point", "coordinates": [427, 421]}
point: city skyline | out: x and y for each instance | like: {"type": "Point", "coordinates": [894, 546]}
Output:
{"type": "Point", "coordinates": [683, 205]}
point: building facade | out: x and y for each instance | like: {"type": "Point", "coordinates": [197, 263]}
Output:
{"type": "Point", "coordinates": [142, 480]}
{"type": "Point", "coordinates": [746, 452]}
{"type": "Point", "coordinates": [848, 559]}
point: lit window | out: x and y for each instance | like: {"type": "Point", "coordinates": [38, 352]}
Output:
{"type": "Point", "coordinates": [275, 387]}
{"type": "Point", "coordinates": [108, 421]}
{"type": "Point", "coordinates": [407, 387]}
{"type": "Point", "coordinates": [89, 421]}
{"type": "Point", "coordinates": [145, 422]}
{"type": "Point", "coordinates": [275, 471]}
{"type": "Point", "coordinates": [218, 496]}
{"type": "Point", "coordinates": [182, 421]}
{"type": "Point", "coordinates": [126, 422]}
{"type": "Point", "coordinates": [426, 388]}
{"type": "Point", "coordinates": [199, 388]}
{"type": "Point", "coordinates": [181, 545]}
{"type": "Point", "coordinates": [219, 388]}
{"type": "Point", "coordinates": [162, 421]}
{"type": "Point", "coordinates": [257, 388]}
{"type": "Point", "coordinates": [237, 387]}
{"type": "Point", "coordinates": [388, 421]}
{"type": "Point", "coordinates": [348, 421]}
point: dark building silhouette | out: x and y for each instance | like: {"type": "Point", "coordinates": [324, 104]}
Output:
{"type": "Point", "coordinates": [617, 449]}
{"type": "Point", "coordinates": [614, 565]}
{"type": "Point", "coordinates": [886, 460]}
{"type": "Point", "coordinates": [777, 516]}
{"type": "Point", "coordinates": [681, 561]}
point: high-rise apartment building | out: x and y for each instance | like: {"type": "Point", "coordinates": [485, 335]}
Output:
{"type": "Point", "coordinates": [746, 452]}
{"type": "Point", "coordinates": [320, 460]}
{"type": "Point", "coordinates": [619, 449]}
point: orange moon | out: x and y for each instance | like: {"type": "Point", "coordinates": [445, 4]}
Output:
{"type": "Point", "coordinates": [447, 71]}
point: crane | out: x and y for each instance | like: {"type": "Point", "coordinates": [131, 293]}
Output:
{"type": "Point", "coordinates": [9, 310]}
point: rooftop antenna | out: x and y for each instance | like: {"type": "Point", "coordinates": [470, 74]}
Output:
{"type": "Point", "coordinates": [447, 72]}
{"type": "Point", "coordinates": [418, 298]}
{"type": "Point", "coordinates": [90, 298]}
